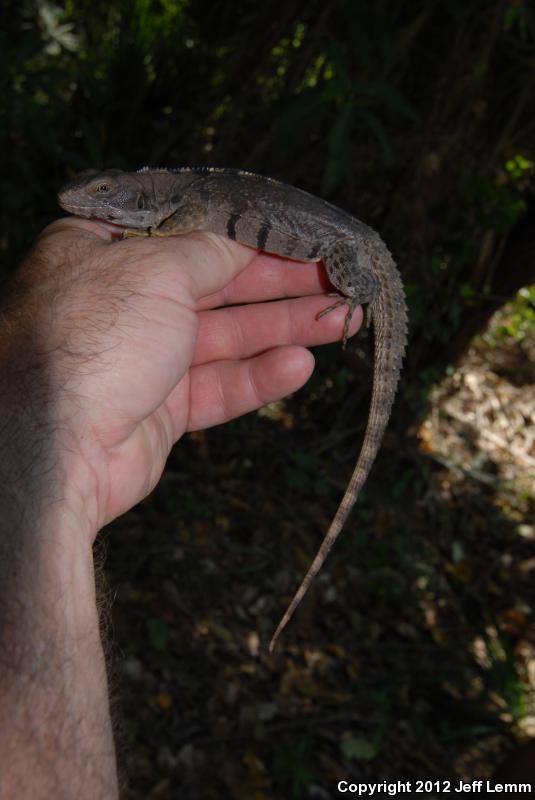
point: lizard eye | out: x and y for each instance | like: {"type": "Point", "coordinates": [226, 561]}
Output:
{"type": "Point", "coordinates": [102, 187]}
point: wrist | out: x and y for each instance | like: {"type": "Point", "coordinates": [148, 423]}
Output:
{"type": "Point", "coordinates": [48, 495]}
{"type": "Point", "coordinates": [42, 471]}
{"type": "Point", "coordinates": [47, 528]}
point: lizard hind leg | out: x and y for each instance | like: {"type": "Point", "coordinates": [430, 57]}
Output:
{"type": "Point", "coordinates": [342, 300]}
{"type": "Point", "coordinates": [350, 270]}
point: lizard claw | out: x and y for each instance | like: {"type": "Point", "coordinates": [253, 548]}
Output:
{"type": "Point", "coordinates": [129, 232]}
{"type": "Point", "coordinates": [341, 301]}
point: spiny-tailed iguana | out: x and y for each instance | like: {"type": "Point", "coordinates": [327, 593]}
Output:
{"type": "Point", "coordinates": [277, 218]}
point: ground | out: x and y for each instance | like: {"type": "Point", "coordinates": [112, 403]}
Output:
{"type": "Point", "coordinates": [413, 657]}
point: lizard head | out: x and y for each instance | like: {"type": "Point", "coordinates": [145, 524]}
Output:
{"type": "Point", "coordinates": [111, 195]}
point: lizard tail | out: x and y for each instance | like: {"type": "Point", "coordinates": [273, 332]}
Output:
{"type": "Point", "coordinates": [390, 334]}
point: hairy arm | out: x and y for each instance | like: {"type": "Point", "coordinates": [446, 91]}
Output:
{"type": "Point", "coordinates": [55, 731]}
{"type": "Point", "coordinates": [109, 352]}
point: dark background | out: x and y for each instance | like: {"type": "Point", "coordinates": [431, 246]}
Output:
{"type": "Point", "coordinates": [411, 656]}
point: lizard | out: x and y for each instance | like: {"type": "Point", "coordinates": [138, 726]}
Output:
{"type": "Point", "coordinates": [274, 217]}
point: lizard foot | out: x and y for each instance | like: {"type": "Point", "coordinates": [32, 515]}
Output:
{"type": "Point", "coordinates": [128, 232]}
{"type": "Point", "coordinates": [341, 301]}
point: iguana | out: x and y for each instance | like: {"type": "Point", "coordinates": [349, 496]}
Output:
{"type": "Point", "coordinates": [277, 218]}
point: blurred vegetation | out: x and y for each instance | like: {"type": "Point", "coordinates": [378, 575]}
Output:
{"type": "Point", "coordinates": [516, 320]}
{"type": "Point", "coordinates": [419, 118]}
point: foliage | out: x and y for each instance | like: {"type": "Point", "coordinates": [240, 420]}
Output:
{"type": "Point", "coordinates": [516, 320]}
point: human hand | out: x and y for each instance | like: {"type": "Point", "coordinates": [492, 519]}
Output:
{"type": "Point", "coordinates": [148, 339]}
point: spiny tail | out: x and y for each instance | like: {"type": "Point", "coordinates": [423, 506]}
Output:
{"type": "Point", "coordinates": [390, 333]}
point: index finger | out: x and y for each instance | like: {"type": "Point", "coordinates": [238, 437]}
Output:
{"type": "Point", "coordinates": [270, 277]}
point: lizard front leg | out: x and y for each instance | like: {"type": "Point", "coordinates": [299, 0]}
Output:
{"type": "Point", "coordinates": [184, 220]}
{"type": "Point", "coordinates": [357, 285]}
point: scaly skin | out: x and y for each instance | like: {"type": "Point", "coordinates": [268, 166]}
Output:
{"type": "Point", "coordinates": [277, 218]}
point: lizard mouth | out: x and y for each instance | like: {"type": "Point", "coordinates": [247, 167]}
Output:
{"type": "Point", "coordinates": [86, 211]}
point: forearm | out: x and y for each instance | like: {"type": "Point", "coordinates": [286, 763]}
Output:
{"type": "Point", "coordinates": [55, 731]}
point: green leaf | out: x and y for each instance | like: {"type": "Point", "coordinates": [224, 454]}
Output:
{"type": "Point", "coordinates": [390, 98]}
{"type": "Point", "coordinates": [358, 749]}
{"type": "Point", "coordinates": [158, 633]}
{"type": "Point", "coordinates": [377, 128]}
{"type": "Point", "coordinates": [338, 159]}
